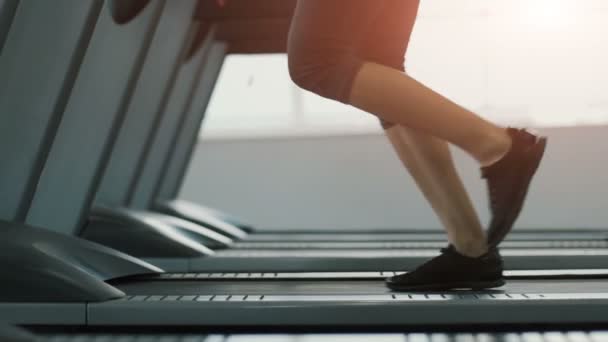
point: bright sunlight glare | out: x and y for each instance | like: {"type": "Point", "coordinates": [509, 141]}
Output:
{"type": "Point", "coordinates": [549, 14]}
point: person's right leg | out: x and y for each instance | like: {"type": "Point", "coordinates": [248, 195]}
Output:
{"type": "Point", "coordinates": [509, 158]}
{"type": "Point", "coordinates": [429, 161]}
{"type": "Point", "coordinates": [386, 41]}
{"type": "Point", "coordinates": [324, 58]}
{"type": "Point", "coordinates": [328, 42]}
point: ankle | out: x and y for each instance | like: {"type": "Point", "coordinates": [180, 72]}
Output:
{"type": "Point", "coordinates": [498, 145]}
{"type": "Point", "coordinates": [472, 248]}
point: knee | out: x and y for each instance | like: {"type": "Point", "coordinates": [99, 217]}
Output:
{"type": "Point", "coordinates": [308, 70]}
{"type": "Point", "coordinates": [298, 71]}
{"type": "Point", "coordinates": [326, 72]}
{"type": "Point", "coordinates": [386, 125]}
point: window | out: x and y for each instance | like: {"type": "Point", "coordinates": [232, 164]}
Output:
{"type": "Point", "coordinates": [530, 62]}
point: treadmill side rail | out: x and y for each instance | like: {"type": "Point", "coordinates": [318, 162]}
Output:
{"type": "Point", "coordinates": [39, 265]}
{"type": "Point", "coordinates": [207, 217]}
{"type": "Point", "coordinates": [43, 314]}
{"type": "Point", "coordinates": [347, 310]}
{"type": "Point", "coordinates": [224, 310]}
{"type": "Point", "coordinates": [150, 235]}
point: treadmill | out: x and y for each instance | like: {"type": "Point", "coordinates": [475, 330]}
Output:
{"type": "Point", "coordinates": [182, 246]}
{"type": "Point", "coordinates": [160, 176]}
{"type": "Point", "coordinates": [76, 295]}
{"type": "Point", "coordinates": [86, 284]}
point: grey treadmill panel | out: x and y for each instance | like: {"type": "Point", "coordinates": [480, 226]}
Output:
{"type": "Point", "coordinates": [148, 101]}
{"type": "Point", "coordinates": [179, 103]}
{"type": "Point", "coordinates": [199, 215]}
{"type": "Point", "coordinates": [7, 10]}
{"type": "Point", "coordinates": [95, 108]}
{"type": "Point", "coordinates": [177, 265]}
{"type": "Point", "coordinates": [187, 135]}
{"type": "Point", "coordinates": [39, 63]}
{"type": "Point", "coordinates": [43, 313]}
{"type": "Point", "coordinates": [125, 11]}
{"type": "Point", "coordinates": [41, 265]}
{"type": "Point", "coordinates": [351, 310]}
{"type": "Point", "coordinates": [144, 234]}
{"type": "Point", "coordinates": [187, 210]}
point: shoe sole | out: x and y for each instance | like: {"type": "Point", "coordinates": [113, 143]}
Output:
{"type": "Point", "coordinates": [530, 170]}
{"type": "Point", "coordinates": [472, 285]}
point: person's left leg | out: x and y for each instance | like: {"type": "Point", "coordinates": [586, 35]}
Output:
{"type": "Point", "coordinates": [467, 262]}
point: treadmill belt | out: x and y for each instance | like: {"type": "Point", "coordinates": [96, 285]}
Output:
{"type": "Point", "coordinates": [398, 253]}
{"type": "Point", "coordinates": [370, 260]}
{"type": "Point", "coordinates": [508, 336]}
{"type": "Point", "coordinates": [333, 287]}
{"type": "Point", "coordinates": [512, 274]}
{"type": "Point", "coordinates": [439, 236]}
{"type": "Point", "coordinates": [415, 244]}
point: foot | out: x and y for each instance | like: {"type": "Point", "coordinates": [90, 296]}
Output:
{"type": "Point", "coordinates": [452, 270]}
{"type": "Point", "coordinates": [508, 181]}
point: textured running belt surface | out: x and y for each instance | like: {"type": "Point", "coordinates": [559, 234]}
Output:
{"type": "Point", "coordinates": [528, 336]}
{"type": "Point", "coordinates": [373, 259]}
{"type": "Point", "coordinates": [303, 287]}
{"type": "Point", "coordinates": [415, 244]}
{"type": "Point", "coordinates": [439, 236]}
{"type": "Point", "coordinates": [247, 276]}
{"type": "Point", "coordinates": [398, 253]}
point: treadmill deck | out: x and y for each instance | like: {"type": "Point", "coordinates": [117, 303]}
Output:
{"type": "Point", "coordinates": [323, 304]}
{"type": "Point", "coordinates": [337, 287]}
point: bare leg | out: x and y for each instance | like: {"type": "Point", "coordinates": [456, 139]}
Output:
{"type": "Point", "coordinates": [432, 121]}
{"type": "Point", "coordinates": [398, 98]}
{"type": "Point", "coordinates": [430, 163]}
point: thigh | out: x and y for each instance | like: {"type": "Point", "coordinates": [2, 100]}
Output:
{"type": "Point", "coordinates": [387, 38]}
{"type": "Point", "coordinates": [333, 24]}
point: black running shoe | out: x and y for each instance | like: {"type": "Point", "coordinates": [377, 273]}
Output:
{"type": "Point", "coordinates": [452, 270]}
{"type": "Point", "coordinates": [508, 181]}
